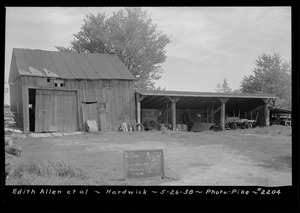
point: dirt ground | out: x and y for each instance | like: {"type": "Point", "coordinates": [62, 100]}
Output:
{"type": "Point", "coordinates": [259, 156]}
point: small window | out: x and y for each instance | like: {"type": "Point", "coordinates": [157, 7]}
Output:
{"type": "Point", "coordinates": [102, 106]}
{"type": "Point", "coordinates": [59, 83]}
{"type": "Point", "coordinates": [48, 80]}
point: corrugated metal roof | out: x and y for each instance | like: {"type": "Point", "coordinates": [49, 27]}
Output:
{"type": "Point", "coordinates": [61, 66]}
{"type": "Point", "coordinates": [86, 66]}
{"type": "Point", "coordinates": [70, 65]}
{"type": "Point", "coordinates": [98, 66]}
{"type": "Point", "coordinates": [201, 94]}
{"type": "Point", "coordinates": [23, 67]}
{"type": "Point", "coordinates": [47, 63]}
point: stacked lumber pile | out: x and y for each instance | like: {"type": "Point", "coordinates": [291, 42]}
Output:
{"type": "Point", "coordinates": [10, 149]}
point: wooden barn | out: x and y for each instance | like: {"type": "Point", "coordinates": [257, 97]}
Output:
{"type": "Point", "coordinates": [58, 92]}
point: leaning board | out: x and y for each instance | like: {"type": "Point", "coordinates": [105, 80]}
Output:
{"type": "Point", "coordinates": [143, 164]}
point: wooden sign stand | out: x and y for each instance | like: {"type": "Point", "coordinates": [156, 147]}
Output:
{"type": "Point", "coordinates": [143, 164]}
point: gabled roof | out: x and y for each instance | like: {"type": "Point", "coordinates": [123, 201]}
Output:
{"type": "Point", "coordinates": [70, 65]}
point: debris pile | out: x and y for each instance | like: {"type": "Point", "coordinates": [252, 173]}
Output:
{"type": "Point", "coordinates": [182, 127]}
{"type": "Point", "coordinates": [163, 127]}
{"type": "Point", "coordinates": [8, 117]}
{"type": "Point", "coordinates": [92, 126]}
{"type": "Point", "coordinates": [125, 127]}
{"type": "Point", "coordinates": [11, 150]}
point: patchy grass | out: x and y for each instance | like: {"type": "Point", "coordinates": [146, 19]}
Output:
{"type": "Point", "coordinates": [47, 171]}
{"type": "Point", "coordinates": [272, 130]}
{"type": "Point", "coordinates": [96, 159]}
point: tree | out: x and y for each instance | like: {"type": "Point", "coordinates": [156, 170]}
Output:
{"type": "Point", "coordinates": [132, 36]}
{"type": "Point", "coordinates": [160, 88]}
{"type": "Point", "coordinates": [224, 87]}
{"type": "Point", "coordinates": [272, 75]}
{"type": "Point", "coordinates": [237, 91]}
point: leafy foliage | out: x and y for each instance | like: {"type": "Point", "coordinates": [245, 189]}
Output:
{"type": "Point", "coordinates": [272, 75]}
{"type": "Point", "coordinates": [224, 87]}
{"type": "Point", "coordinates": [132, 36]}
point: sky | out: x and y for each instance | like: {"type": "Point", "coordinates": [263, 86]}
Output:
{"type": "Point", "coordinates": [207, 45]}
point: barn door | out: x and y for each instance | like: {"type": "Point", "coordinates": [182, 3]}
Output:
{"type": "Point", "coordinates": [90, 112]}
{"type": "Point", "coordinates": [56, 110]}
{"type": "Point", "coordinates": [102, 110]}
{"type": "Point", "coordinates": [42, 110]}
{"type": "Point", "coordinates": [65, 113]}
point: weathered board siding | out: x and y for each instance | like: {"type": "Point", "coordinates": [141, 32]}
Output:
{"type": "Point", "coordinates": [16, 101]}
{"type": "Point", "coordinates": [56, 110]}
{"type": "Point", "coordinates": [118, 94]}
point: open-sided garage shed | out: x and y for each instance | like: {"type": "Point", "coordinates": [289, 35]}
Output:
{"type": "Point", "coordinates": [211, 106]}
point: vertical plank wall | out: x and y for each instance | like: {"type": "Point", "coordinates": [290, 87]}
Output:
{"type": "Point", "coordinates": [16, 100]}
{"type": "Point", "coordinates": [119, 97]}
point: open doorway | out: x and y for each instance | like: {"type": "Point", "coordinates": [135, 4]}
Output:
{"type": "Point", "coordinates": [32, 95]}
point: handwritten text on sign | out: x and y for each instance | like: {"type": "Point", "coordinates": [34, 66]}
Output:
{"type": "Point", "coordinates": [143, 164]}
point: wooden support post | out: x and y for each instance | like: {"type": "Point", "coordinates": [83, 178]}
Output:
{"type": "Point", "coordinates": [215, 111]}
{"type": "Point", "coordinates": [273, 102]}
{"type": "Point", "coordinates": [167, 113]}
{"type": "Point", "coordinates": [212, 117]}
{"type": "Point", "coordinates": [207, 115]}
{"type": "Point", "coordinates": [25, 103]}
{"type": "Point", "coordinates": [266, 112]}
{"type": "Point", "coordinates": [174, 101]}
{"type": "Point", "coordinates": [139, 99]}
{"type": "Point", "coordinates": [256, 116]}
{"type": "Point", "coordinates": [138, 108]}
{"type": "Point", "coordinates": [173, 115]}
{"type": "Point", "coordinates": [223, 119]}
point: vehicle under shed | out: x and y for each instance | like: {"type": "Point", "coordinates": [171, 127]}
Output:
{"type": "Point", "coordinates": [173, 108]}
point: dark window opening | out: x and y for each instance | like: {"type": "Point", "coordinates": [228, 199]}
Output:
{"type": "Point", "coordinates": [59, 83]}
{"type": "Point", "coordinates": [31, 101]}
{"type": "Point", "coordinates": [90, 102]}
{"type": "Point", "coordinates": [48, 80]}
